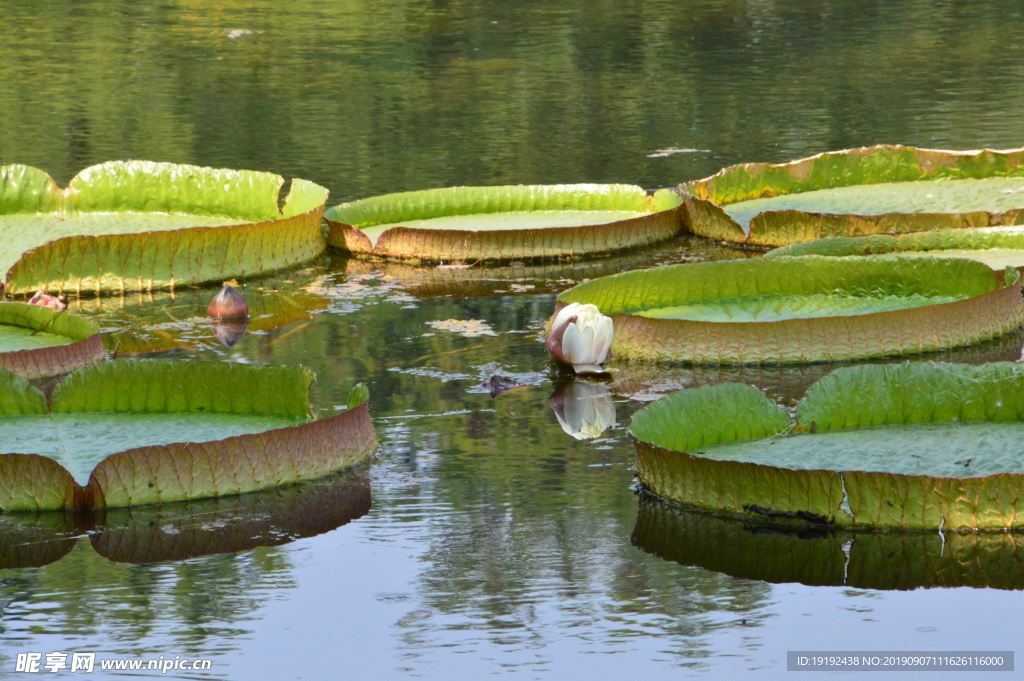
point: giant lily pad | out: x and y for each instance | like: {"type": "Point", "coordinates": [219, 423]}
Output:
{"type": "Point", "coordinates": [921, 445]}
{"type": "Point", "coordinates": [504, 223]}
{"type": "Point", "coordinates": [809, 309]}
{"type": "Point", "coordinates": [137, 432]}
{"type": "Point", "coordinates": [997, 247]}
{"type": "Point", "coordinates": [137, 225]}
{"type": "Point", "coordinates": [823, 556]}
{"type": "Point", "coordinates": [188, 529]}
{"type": "Point", "coordinates": [872, 190]}
{"type": "Point", "coordinates": [37, 341]}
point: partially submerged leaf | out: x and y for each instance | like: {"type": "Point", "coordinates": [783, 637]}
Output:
{"type": "Point", "coordinates": [137, 225]}
{"type": "Point", "coordinates": [907, 445]}
{"type": "Point", "coordinates": [470, 328]}
{"type": "Point", "coordinates": [504, 223]}
{"type": "Point", "coordinates": [809, 309]}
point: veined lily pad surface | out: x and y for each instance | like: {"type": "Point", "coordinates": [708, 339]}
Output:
{"type": "Point", "coordinates": [922, 445]}
{"type": "Point", "coordinates": [997, 247]}
{"type": "Point", "coordinates": [872, 190]}
{"type": "Point", "coordinates": [37, 341]}
{"type": "Point", "coordinates": [505, 223]}
{"type": "Point", "coordinates": [809, 309]}
{"type": "Point", "coordinates": [136, 432]}
{"type": "Point", "coordinates": [751, 549]}
{"type": "Point", "coordinates": [138, 225]}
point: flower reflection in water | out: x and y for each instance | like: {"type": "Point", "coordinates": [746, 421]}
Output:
{"type": "Point", "coordinates": [584, 410]}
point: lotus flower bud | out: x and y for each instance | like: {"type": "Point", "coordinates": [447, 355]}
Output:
{"type": "Point", "coordinates": [43, 299]}
{"type": "Point", "coordinates": [584, 410]}
{"type": "Point", "coordinates": [581, 336]}
{"type": "Point", "coordinates": [228, 304]}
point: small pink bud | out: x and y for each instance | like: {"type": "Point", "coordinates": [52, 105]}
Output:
{"type": "Point", "coordinates": [43, 299]}
{"type": "Point", "coordinates": [228, 304]}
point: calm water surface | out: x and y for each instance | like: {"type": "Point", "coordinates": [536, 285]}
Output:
{"type": "Point", "coordinates": [495, 544]}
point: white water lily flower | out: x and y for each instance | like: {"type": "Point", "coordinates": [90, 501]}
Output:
{"type": "Point", "coordinates": [584, 410]}
{"type": "Point", "coordinates": [581, 336]}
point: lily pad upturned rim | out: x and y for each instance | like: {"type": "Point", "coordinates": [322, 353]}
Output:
{"type": "Point", "coordinates": [269, 238]}
{"type": "Point", "coordinates": [989, 311]}
{"type": "Point", "coordinates": [85, 346]}
{"type": "Point", "coordinates": [669, 433]}
{"type": "Point", "coordinates": [189, 470]}
{"type": "Point", "coordinates": [702, 199]}
{"type": "Point", "coordinates": [447, 245]}
{"type": "Point", "coordinates": [746, 548]}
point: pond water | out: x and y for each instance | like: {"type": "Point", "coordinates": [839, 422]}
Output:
{"type": "Point", "coordinates": [496, 544]}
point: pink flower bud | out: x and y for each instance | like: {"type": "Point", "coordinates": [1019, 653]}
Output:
{"type": "Point", "coordinates": [228, 304]}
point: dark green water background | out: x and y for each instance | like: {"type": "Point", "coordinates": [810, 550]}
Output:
{"type": "Point", "coordinates": [497, 544]}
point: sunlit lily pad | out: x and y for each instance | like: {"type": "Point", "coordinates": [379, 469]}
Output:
{"type": "Point", "coordinates": [872, 190]}
{"type": "Point", "coordinates": [997, 247]}
{"type": "Point", "coordinates": [810, 309]}
{"type": "Point", "coordinates": [919, 445]}
{"type": "Point", "coordinates": [137, 225]}
{"type": "Point", "coordinates": [823, 556]}
{"type": "Point", "coordinates": [188, 529]}
{"type": "Point", "coordinates": [459, 224]}
{"type": "Point", "coordinates": [37, 341]}
{"type": "Point", "coordinates": [139, 432]}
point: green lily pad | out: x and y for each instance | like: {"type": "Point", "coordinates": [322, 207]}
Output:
{"type": "Point", "coordinates": [808, 309]}
{"type": "Point", "coordinates": [138, 432]}
{"type": "Point", "coordinates": [872, 190]}
{"type": "Point", "coordinates": [188, 529]}
{"type": "Point", "coordinates": [816, 556]}
{"type": "Point", "coordinates": [37, 341]}
{"type": "Point", "coordinates": [137, 225]}
{"type": "Point", "coordinates": [504, 223]}
{"type": "Point", "coordinates": [997, 247]}
{"type": "Point", "coordinates": [921, 445]}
